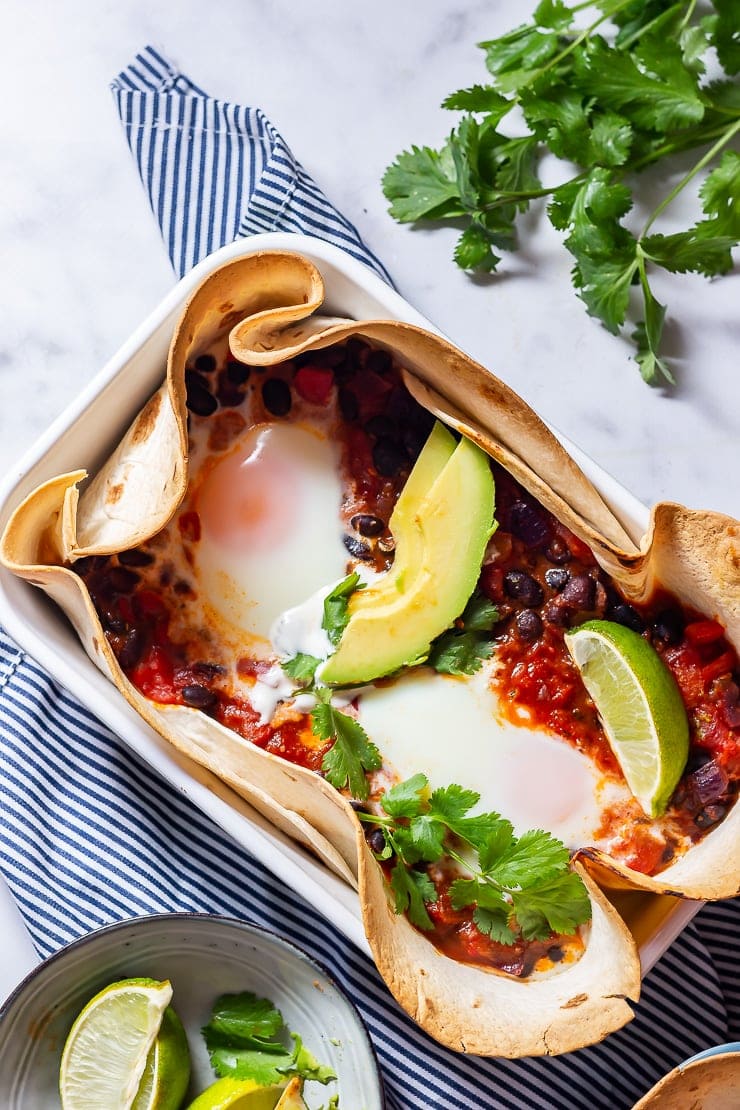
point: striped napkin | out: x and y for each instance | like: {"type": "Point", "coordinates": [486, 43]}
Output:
{"type": "Point", "coordinates": [90, 835]}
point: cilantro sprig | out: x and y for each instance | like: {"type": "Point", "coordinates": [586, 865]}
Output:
{"type": "Point", "coordinates": [352, 752]}
{"type": "Point", "coordinates": [247, 1038]}
{"type": "Point", "coordinates": [518, 886]}
{"type": "Point", "coordinates": [463, 648]}
{"type": "Point", "coordinates": [614, 105]}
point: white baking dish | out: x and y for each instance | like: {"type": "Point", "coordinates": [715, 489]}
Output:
{"type": "Point", "coordinates": [84, 436]}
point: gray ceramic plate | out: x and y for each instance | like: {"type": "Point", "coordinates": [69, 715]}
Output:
{"type": "Point", "coordinates": [203, 957]}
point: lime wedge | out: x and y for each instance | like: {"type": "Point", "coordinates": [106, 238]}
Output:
{"type": "Point", "coordinates": [237, 1094]}
{"type": "Point", "coordinates": [167, 1071]}
{"type": "Point", "coordinates": [106, 1052]}
{"type": "Point", "coordinates": [640, 707]}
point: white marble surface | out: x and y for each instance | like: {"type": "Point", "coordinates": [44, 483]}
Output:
{"type": "Point", "coordinates": [349, 86]}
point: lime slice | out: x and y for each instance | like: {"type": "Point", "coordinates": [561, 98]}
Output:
{"type": "Point", "coordinates": [106, 1051]}
{"type": "Point", "coordinates": [640, 707]}
{"type": "Point", "coordinates": [237, 1094]}
{"type": "Point", "coordinates": [167, 1071]}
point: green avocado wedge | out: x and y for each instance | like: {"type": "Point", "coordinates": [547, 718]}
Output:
{"type": "Point", "coordinates": [404, 524]}
{"type": "Point", "coordinates": [393, 622]}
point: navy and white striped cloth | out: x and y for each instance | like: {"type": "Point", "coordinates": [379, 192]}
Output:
{"type": "Point", "coordinates": [89, 835]}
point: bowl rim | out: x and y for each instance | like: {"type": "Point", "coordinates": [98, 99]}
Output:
{"type": "Point", "coordinates": [242, 924]}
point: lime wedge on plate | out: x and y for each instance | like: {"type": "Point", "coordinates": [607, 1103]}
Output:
{"type": "Point", "coordinates": [640, 707]}
{"type": "Point", "coordinates": [237, 1094]}
{"type": "Point", "coordinates": [167, 1071]}
{"type": "Point", "coordinates": [106, 1052]}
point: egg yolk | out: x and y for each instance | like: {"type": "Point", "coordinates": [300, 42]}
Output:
{"type": "Point", "coordinates": [248, 497]}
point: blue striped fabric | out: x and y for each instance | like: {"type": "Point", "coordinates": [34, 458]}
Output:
{"type": "Point", "coordinates": [89, 835]}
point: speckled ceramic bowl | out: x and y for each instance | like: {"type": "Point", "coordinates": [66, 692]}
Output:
{"type": "Point", "coordinates": [202, 956]}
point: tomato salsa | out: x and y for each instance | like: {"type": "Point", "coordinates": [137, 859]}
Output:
{"type": "Point", "coordinates": [542, 579]}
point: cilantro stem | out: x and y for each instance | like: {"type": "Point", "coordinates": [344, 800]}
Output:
{"type": "Point", "coordinates": [729, 133]}
{"type": "Point", "coordinates": [624, 44]}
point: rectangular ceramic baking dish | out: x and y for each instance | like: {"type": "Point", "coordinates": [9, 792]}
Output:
{"type": "Point", "coordinates": [85, 435]}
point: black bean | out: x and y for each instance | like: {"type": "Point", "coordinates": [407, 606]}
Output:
{"type": "Point", "coordinates": [276, 396]}
{"type": "Point", "coordinates": [528, 524]}
{"type": "Point", "coordinates": [135, 558]}
{"type": "Point", "coordinates": [355, 350]}
{"type": "Point", "coordinates": [556, 577]}
{"type": "Point", "coordinates": [200, 400]}
{"type": "Point", "coordinates": [710, 815]}
{"type": "Point", "coordinates": [558, 552]}
{"type": "Point", "coordinates": [380, 426]}
{"type": "Point", "coordinates": [205, 363]}
{"type": "Point", "coordinates": [348, 404]}
{"type": "Point", "coordinates": [208, 670]}
{"type": "Point", "coordinates": [555, 953]}
{"type": "Point", "coordinates": [625, 614]}
{"type": "Point", "coordinates": [388, 457]}
{"type": "Point", "coordinates": [236, 372]}
{"type": "Point", "coordinates": [529, 624]}
{"type": "Point", "coordinates": [229, 395]}
{"type": "Point", "coordinates": [523, 587]}
{"type": "Point", "coordinates": [331, 357]}
{"type": "Point", "coordinates": [130, 652]}
{"type": "Point", "coordinates": [122, 579]}
{"type": "Point", "coordinates": [379, 362]}
{"type": "Point", "coordinates": [367, 525]}
{"type": "Point", "coordinates": [668, 626]}
{"type": "Point", "coordinates": [376, 841]}
{"type": "Point", "coordinates": [357, 806]}
{"type": "Point", "coordinates": [356, 547]}
{"type": "Point", "coordinates": [413, 439]}
{"type": "Point", "coordinates": [580, 590]}
{"type": "Point", "coordinates": [198, 697]}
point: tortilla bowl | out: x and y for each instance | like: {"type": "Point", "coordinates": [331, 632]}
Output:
{"type": "Point", "coordinates": [268, 303]}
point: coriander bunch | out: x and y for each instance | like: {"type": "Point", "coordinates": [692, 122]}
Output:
{"type": "Point", "coordinates": [623, 94]}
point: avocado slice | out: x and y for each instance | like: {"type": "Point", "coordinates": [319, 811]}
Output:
{"type": "Point", "coordinates": [404, 526]}
{"type": "Point", "coordinates": [445, 529]}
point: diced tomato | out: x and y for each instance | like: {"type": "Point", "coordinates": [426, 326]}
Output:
{"type": "Point", "coordinates": [492, 582]}
{"type": "Point", "coordinates": [443, 913]}
{"type": "Point", "coordinates": [644, 852]}
{"type": "Point", "coordinates": [371, 391]}
{"type": "Point", "coordinates": [149, 604]}
{"type": "Point", "coordinates": [482, 949]}
{"type": "Point", "coordinates": [704, 632]}
{"type": "Point", "coordinates": [723, 664]}
{"type": "Point", "coordinates": [314, 384]}
{"type": "Point", "coordinates": [154, 676]}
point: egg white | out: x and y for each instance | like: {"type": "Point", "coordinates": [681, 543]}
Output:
{"type": "Point", "coordinates": [291, 548]}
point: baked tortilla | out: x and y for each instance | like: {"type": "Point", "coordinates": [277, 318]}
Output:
{"type": "Point", "coordinates": [268, 301]}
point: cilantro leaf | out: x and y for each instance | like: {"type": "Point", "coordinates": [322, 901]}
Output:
{"type": "Point", "coordinates": [459, 653]}
{"type": "Point", "coordinates": [725, 37]}
{"type": "Point", "coordinates": [411, 890]}
{"type": "Point", "coordinates": [660, 96]}
{"type": "Point", "coordinates": [422, 184]}
{"type": "Point", "coordinates": [495, 924]}
{"type": "Point", "coordinates": [479, 98]}
{"type": "Point", "coordinates": [245, 1015]}
{"type": "Point", "coordinates": [555, 906]}
{"type": "Point", "coordinates": [523, 48]}
{"type": "Point", "coordinates": [301, 668]}
{"type": "Point", "coordinates": [336, 612]}
{"type": "Point", "coordinates": [451, 803]}
{"type": "Point", "coordinates": [246, 1038]}
{"type": "Point", "coordinates": [532, 858]}
{"type": "Point", "coordinates": [473, 250]}
{"type": "Point", "coordinates": [553, 14]}
{"type": "Point", "coordinates": [422, 839]}
{"type": "Point", "coordinates": [648, 333]}
{"type": "Point", "coordinates": [405, 799]}
{"type": "Point", "coordinates": [720, 194]}
{"type": "Point", "coordinates": [480, 614]}
{"type": "Point", "coordinates": [352, 752]}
